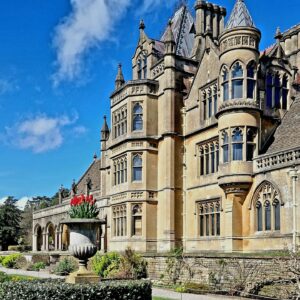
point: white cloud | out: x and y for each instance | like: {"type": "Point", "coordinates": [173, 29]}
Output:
{"type": "Point", "coordinates": [79, 130]}
{"type": "Point", "coordinates": [40, 133]}
{"type": "Point", "coordinates": [8, 86]}
{"type": "Point", "coordinates": [90, 23]}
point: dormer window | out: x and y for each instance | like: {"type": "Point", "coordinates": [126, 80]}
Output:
{"type": "Point", "coordinates": [276, 91]}
{"type": "Point", "coordinates": [237, 81]}
{"type": "Point", "coordinates": [142, 66]}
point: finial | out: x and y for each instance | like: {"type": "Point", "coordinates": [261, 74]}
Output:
{"type": "Point", "coordinates": [278, 35]}
{"type": "Point", "coordinates": [170, 22]}
{"type": "Point", "coordinates": [95, 156]}
{"type": "Point", "coordinates": [120, 78]}
{"type": "Point", "coordinates": [142, 25]}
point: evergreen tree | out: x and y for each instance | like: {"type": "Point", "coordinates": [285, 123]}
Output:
{"type": "Point", "coordinates": [10, 217]}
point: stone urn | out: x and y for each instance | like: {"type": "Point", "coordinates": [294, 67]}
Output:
{"type": "Point", "coordinates": [83, 235]}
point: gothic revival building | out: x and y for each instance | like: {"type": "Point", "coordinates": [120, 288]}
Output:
{"type": "Point", "coordinates": [201, 142]}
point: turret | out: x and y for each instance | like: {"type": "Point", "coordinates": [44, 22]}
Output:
{"type": "Point", "coordinates": [104, 134]}
{"type": "Point", "coordinates": [120, 78]}
{"type": "Point", "coordinates": [170, 44]}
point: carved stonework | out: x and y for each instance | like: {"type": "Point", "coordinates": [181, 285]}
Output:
{"type": "Point", "coordinates": [239, 41]}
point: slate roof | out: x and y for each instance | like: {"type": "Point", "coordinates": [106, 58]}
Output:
{"type": "Point", "coordinates": [287, 134]}
{"type": "Point", "coordinates": [182, 27]}
{"type": "Point", "coordinates": [240, 16]}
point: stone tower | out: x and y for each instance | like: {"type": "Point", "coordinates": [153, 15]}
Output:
{"type": "Point", "coordinates": [238, 117]}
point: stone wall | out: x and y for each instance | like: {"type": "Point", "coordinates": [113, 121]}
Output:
{"type": "Point", "coordinates": [255, 268]}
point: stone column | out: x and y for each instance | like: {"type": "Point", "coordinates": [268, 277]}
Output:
{"type": "Point", "coordinates": [47, 241]}
{"type": "Point", "coordinates": [44, 241]}
{"type": "Point", "coordinates": [102, 236]}
{"type": "Point", "coordinates": [56, 237]}
{"type": "Point", "coordinates": [34, 242]}
{"type": "Point", "coordinates": [60, 240]}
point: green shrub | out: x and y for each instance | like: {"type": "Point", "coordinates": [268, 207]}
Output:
{"type": "Point", "coordinates": [53, 289]}
{"type": "Point", "coordinates": [106, 265]}
{"type": "Point", "coordinates": [11, 261]}
{"type": "Point", "coordinates": [37, 266]}
{"type": "Point", "coordinates": [1, 259]}
{"type": "Point", "coordinates": [65, 266]}
{"type": "Point", "coordinates": [19, 248]}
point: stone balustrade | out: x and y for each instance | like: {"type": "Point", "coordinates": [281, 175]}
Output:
{"type": "Point", "coordinates": [278, 160]}
{"type": "Point", "coordinates": [134, 88]}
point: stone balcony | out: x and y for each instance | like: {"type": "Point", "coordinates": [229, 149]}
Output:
{"type": "Point", "coordinates": [134, 88]}
{"type": "Point", "coordinates": [278, 160]}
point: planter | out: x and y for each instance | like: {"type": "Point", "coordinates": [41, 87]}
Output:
{"type": "Point", "coordinates": [83, 235]}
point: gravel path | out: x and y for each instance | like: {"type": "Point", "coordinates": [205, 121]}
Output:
{"type": "Point", "coordinates": [41, 274]}
{"type": "Point", "coordinates": [173, 295]}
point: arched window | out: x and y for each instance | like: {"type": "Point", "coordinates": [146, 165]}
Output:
{"type": "Point", "coordinates": [267, 208]}
{"type": "Point", "coordinates": [251, 133]}
{"type": "Point", "coordinates": [137, 117]}
{"type": "Point", "coordinates": [212, 158]}
{"type": "Point", "coordinates": [137, 167]}
{"type": "Point", "coordinates": [225, 84]}
{"type": "Point", "coordinates": [276, 206]}
{"type": "Point", "coordinates": [237, 144]}
{"type": "Point", "coordinates": [285, 92]}
{"type": "Point", "coordinates": [142, 66]}
{"type": "Point", "coordinates": [259, 216]}
{"type": "Point", "coordinates": [237, 81]}
{"type": "Point", "coordinates": [250, 81]}
{"type": "Point", "coordinates": [225, 147]}
{"type": "Point", "coordinates": [137, 220]}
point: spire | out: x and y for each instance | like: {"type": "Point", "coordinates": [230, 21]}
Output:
{"type": "Point", "coordinates": [104, 130]}
{"type": "Point", "coordinates": [142, 32]}
{"type": "Point", "coordinates": [170, 40]}
{"type": "Point", "coordinates": [240, 16]}
{"type": "Point", "coordinates": [120, 78]}
{"type": "Point", "coordinates": [278, 37]}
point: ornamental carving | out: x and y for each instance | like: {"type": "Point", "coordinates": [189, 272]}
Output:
{"type": "Point", "coordinates": [238, 41]}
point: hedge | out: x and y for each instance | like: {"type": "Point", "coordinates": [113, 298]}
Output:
{"type": "Point", "coordinates": [58, 290]}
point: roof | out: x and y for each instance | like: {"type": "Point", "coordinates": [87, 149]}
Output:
{"type": "Point", "coordinates": [182, 28]}
{"type": "Point", "coordinates": [240, 16]}
{"type": "Point", "coordinates": [287, 134]}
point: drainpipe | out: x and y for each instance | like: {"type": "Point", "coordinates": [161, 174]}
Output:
{"type": "Point", "coordinates": [294, 176]}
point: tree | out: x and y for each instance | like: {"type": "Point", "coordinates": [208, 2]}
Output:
{"type": "Point", "coordinates": [26, 224]}
{"type": "Point", "coordinates": [10, 217]}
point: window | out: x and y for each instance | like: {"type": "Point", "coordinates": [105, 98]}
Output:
{"type": "Point", "coordinates": [225, 147]}
{"type": "Point", "coordinates": [120, 170]}
{"type": "Point", "coordinates": [276, 91]}
{"type": "Point", "coordinates": [250, 81]}
{"type": "Point", "coordinates": [137, 117]}
{"type": "Point", "coordinates": [237, 81]}
{"type": "Point", "coordinates": [142, 66]}
{"type": "Point", "coordinates": [137, 167]}
{"type": "Point", "coordinates": [237, 144]}
{"type": "Point", "coordinates": [209, 158]}
{"type": "Point", "coordinates": [251, 133]}
{"type": "Point", "coordinates": [225, 84]}
{"type": "Point", "coordinates": [210, 102]}
{"type": "Point", "coordinates": [267, 205]}
{"type": "Point", "coordinates": [285, 92]}
{"type": "Point", "coordinates": [120, 122]}
{"type": "Point", "coordinates": [209, 218]}
{"type": "Point", "coordinates": [137, 220]}
{"type": "Point", "coordinates": [119, 220]}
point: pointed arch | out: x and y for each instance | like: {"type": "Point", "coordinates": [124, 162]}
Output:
{"type": "Point", "coordinates": [275, 193]}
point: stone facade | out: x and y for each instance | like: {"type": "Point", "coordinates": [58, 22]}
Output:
{"type": "Point", "coordinates": [200, 143]}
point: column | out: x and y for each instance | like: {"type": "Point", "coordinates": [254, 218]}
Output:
{"type": "Point", "coordinates": [60, 240]}
{"type": "Point", "coordinates": [56, 237]}
{"type": "Point", "coordinates": [44, 242]}
{"type": "Point", "coordinates": [34, 242]}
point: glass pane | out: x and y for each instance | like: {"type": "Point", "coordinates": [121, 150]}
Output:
{"type": "Point", "coordinates": [284, 82]}
{"type": "Point", "coordinates": [259, 216]}
{"type": "Point", "coordinates": [202, 164]}
{"type": "Point", "coordinates": [213, 162]}
{"type": "Point", "coordinates": [137, 174]}
{"type": "Point", "coordinates": [225, 75]}
{"type": "Point", "coordinates": [212, 224]}
{"type": "Point", "coordinates": [209, 107]}
{"type": "Point", "coordinates": [137, 109]}
{"type": "Point", "coordinates": [218, 223]}
{"type": "Point", "coordinates": [250, 152]}
{"type": "Point", "coordinates": [269, 96]}
{"type": "Point", "coordinates": [237, 150]}
{"type": "Point", "coordinates": [284, 98]}
{"type": "Point", "coordinates": [215, 104]}
{"type": "Point", "coordinates": [204, 110]}
{"type": "Point", "coordinates": [277, 97]}
{"type": "Point", "coordinates": [217, 159]}
{"type": "Point", "coordinates": [226, 91]}
{"type": "Point", "coordinates": [277, 216]}
{"type": "Point", "coordinates": [250, 89]}
{"type": "Point", "coordinates": [137, 161]}
{"type": "Point", "coordinates": [237, 136]}
{"type": "Point", "coordinates": [207, 224]}
{"type": "Point", "coordinates": [237, 71]}
{"type": "Point", "coordinates": [201, 225]}
{"type": "Point", "coordinates": [250, 72]}
{"type": "Point", "coordinates": [268, 217]}
{"type": "Point", "coordinates": [138, 123]}
{"type": "Point", "coordinates": [207, 163]}
{"type": "Point", "coordinates": [237, 89]}
{"type": "Point", "coordinates": [225, 154]}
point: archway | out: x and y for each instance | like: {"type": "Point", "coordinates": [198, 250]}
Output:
{"type": "Point", "coordinates": [51, 237]}
{"type": "Point", "coordinates": [39, 238]}
{"type": "Point", "coordinates": [65, 237]}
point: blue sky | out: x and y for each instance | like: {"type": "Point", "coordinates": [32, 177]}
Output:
{"type": "Point", "coordinates": [58, 62]}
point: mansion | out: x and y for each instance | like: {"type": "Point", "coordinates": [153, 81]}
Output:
{"type": "Point", "coordinates": [203, 144]}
